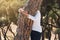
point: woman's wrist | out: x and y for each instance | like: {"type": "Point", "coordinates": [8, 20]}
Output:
{"type": "Point", "coordinates": [25, 13]}
{"type": "Point", "coordinates": [22, 11]}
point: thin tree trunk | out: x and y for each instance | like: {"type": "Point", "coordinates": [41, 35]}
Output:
{"type": "Point", "coordinates": [25, 24]}
{"type": "Point", "coordinates": [0, 35]}
{"type": "Point", "coordinates": [59, 36]}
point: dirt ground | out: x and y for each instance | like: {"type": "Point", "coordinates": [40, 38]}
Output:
{"type": "Point", "coordinates": [14, 27]}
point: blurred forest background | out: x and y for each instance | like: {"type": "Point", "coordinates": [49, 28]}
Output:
{"type": "Point", "coordinates": [50, 10]}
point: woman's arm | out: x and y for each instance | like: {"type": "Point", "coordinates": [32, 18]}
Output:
{"type": "Point", "coordinates": [37, 16]}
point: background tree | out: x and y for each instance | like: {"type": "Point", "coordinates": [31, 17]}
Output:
{"type": "Point", "coordinates": [49, 9]}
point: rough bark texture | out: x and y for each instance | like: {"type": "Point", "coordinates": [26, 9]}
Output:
{"type": "Point", "coordinates": [25, 24]}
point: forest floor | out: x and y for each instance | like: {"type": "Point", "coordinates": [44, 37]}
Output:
{"type": "Point", "coordinates": [14, 27]}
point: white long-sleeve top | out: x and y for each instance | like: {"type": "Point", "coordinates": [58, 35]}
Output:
{"type": "Point", "coordinates": [36, 21]}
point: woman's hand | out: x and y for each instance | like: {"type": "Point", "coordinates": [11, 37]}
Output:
{"type": "Point", "coordinates": [22, 11]}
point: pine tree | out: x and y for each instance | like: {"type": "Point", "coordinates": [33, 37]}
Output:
{"type": "Point", "coordinates": [25, 24]}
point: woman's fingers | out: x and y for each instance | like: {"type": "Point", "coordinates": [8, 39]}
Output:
{"type": "Point", "coordinates": [21, 10]}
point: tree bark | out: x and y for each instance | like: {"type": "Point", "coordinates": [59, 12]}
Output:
{"type": "Point", "coordinates": [25, 24]}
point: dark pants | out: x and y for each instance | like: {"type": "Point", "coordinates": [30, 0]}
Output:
{"type": "Point", "coordinates": [35, 35]}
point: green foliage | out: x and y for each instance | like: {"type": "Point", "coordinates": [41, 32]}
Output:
{"type": "Point", "coordinates": [57, 31]}
{"type": "Point", "coordinates": [50, 10]}
{"type": "Point", "coordinates": [9, 9]}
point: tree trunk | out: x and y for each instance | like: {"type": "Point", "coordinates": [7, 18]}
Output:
{"type": "Point", "coordinates": [0, 35]}
{"type": "Point", "coordinates": [25, 24]}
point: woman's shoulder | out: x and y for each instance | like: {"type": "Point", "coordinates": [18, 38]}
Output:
{"type": "Point", "coordinates": [38, 11]}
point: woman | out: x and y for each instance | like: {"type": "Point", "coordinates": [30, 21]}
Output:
{"type": "Point", "coordinates": [36, 27]}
